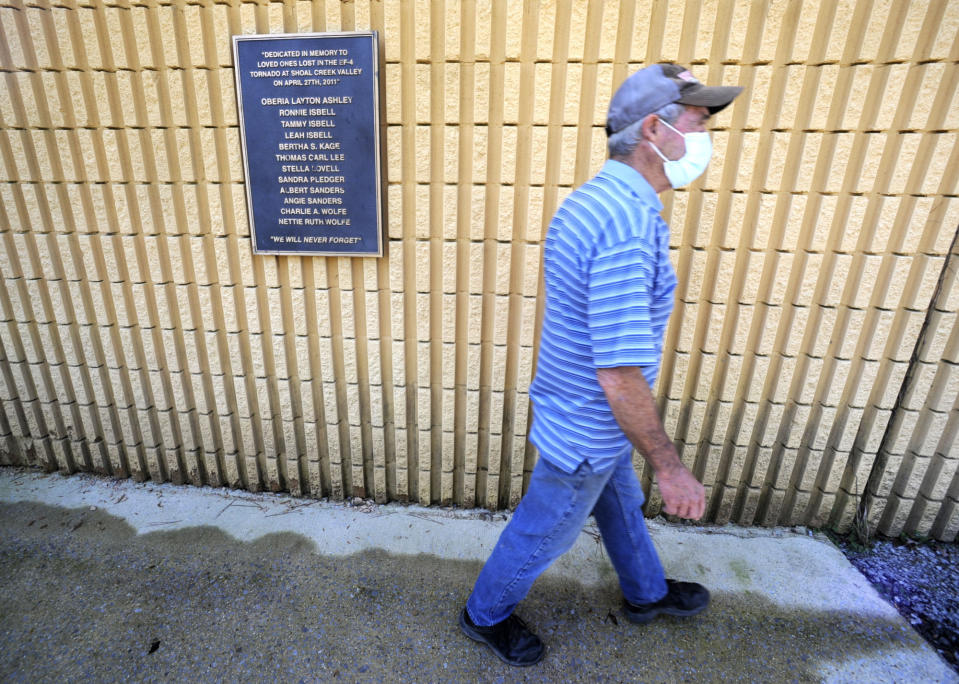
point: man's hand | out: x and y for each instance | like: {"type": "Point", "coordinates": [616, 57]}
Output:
{"type": "Point", "coordinates": [683, 495]}
{"type": "Point", "coordinates": [632, 402]}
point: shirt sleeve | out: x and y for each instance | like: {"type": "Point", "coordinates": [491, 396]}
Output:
{"type": "Point", "coordinates": [620, 289]}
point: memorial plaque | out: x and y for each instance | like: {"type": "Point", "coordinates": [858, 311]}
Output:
{"type": "Point", "coordinates": [309, 124]}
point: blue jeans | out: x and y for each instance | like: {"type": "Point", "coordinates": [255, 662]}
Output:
{"type": "Point", "coordinates": [547, 522]}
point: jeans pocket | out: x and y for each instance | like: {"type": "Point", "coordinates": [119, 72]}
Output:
{"type": "Point", "coordinates": [582, 470]}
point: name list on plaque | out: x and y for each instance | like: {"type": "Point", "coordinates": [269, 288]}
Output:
{"type": "Point", "coordinates": [309, 122]}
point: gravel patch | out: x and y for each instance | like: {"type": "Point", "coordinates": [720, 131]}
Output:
{"type": "Point", "coordinates": [921, 579]}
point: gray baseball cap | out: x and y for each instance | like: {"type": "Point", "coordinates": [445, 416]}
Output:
{"type": "Point", "coordinates": [658, 85]}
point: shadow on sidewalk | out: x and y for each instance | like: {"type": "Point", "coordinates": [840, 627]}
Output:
{"type": "Point", "coordinates": [83, 598]}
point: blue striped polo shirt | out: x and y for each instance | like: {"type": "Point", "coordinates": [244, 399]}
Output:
{"type": "Point", "coordinates": [609, 294]}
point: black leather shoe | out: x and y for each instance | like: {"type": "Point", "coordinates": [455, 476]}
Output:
{"type": "Point", "coordinates": [510, 640]}
{"type": "Point", "coordinates": [682, 599]}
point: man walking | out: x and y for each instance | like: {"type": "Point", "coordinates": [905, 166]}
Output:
{"type": "Point", "coordinates": [609, 294]}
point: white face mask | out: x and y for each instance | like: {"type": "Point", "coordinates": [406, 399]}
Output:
{"type": "Point", "coordinates": [689, 167]}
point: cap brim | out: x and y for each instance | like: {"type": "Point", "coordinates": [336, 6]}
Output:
{"type": "Point", "coordinates": [713, 98]}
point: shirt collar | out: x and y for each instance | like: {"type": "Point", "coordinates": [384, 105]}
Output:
{"type": "Point", "coordinates": [634, 180]}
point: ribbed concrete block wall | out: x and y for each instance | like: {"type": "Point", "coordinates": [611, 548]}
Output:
{"type": "Point", "coordinates": [913, 486]}
{"type": "Point", "coordinates": [813, 348]}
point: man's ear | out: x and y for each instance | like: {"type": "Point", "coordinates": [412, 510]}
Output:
{"type": "Point", "coordinates": [650, 127]}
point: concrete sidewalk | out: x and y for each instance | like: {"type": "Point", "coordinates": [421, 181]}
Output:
{"type": "Point", "coordinates": [104, 580]}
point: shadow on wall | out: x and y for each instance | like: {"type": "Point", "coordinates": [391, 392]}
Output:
{"type": "Point", "coordinates": [83, 598]}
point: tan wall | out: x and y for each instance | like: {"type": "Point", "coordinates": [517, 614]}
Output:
{"type": "Point", "coordinates": [814, 345]}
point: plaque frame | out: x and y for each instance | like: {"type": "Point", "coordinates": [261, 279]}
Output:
{"type": "Point", "coordinates": [377, 172]}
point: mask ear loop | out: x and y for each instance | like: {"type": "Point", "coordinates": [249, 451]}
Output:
{"type": "Point", "coordinates": [656, 149]}
{"type": "Point", "coordinates": [676, 130]}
